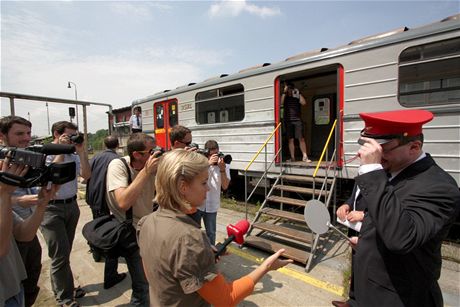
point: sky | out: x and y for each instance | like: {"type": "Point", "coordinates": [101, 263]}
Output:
{"type": "Point", "coordinates": [119, 51]}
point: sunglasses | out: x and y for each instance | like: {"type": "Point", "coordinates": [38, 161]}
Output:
{"type": "Point", "coordinates": [151, 151]}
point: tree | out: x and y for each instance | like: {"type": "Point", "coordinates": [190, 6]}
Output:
{"type": "Point", "coordinates": [96, 141]}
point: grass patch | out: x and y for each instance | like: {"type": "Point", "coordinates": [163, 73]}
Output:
{"type": "Point", "coordinates": [347, 278]}
{"type": "Point", "coordinates": [239, 206]}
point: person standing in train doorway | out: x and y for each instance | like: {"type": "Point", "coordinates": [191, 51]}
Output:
{"type": "Point", "coordinates": [292, 101]}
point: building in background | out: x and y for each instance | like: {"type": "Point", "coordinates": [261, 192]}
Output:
{"type": "Point", "coordinates": [119, 122]}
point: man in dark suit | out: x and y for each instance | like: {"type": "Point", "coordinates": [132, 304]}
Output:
{"type": "Point", "coordinates": [409, 204]}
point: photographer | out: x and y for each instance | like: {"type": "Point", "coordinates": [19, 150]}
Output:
{"type": "Point", "coordinates": [292, 100]}
{"type": "Point", "coordinates": [131, 188]}
{"type": "Point", "coordinates": [12, 269]}
{"type": "Point", "coordinates": [62, 214]}
{"type": "Point", "coordinates": [180, 137]}
{"type": "Point", "coordinates": [15, 131]}
{"type": "Point", "coordinates": [219, 178]}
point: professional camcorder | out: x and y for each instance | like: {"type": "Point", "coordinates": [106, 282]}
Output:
{"type": "Point", "coordinates": [39, 174]}
{"type": "Point", "coordinates": [205, 152]}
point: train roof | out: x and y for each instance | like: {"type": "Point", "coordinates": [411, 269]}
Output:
{"type": "Point", "coordinates": [447, 24]}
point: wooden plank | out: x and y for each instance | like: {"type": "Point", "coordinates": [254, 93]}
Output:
{"type": "Point", "coordinates": [288, 201]}
{"type": "Point", "coordinates": [284, 214]}
{"type": "Point", "coordinates": [299, 178]}
{"type": "Point", "coordinates": [286, 232]}
{"type": "Point", "coordinates": [289, 188]}
{"type": "Point", "coordinates": [270, 246]}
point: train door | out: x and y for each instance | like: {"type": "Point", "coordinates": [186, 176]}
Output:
{"type": "Point", "coordinates": [322, 90]}
{"type": "Point", "coordinates": [165, 117]}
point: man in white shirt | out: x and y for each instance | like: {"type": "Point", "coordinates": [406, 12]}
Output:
{"type": "Point", "coordinates": [135, 122]}
{"type": "Point", "coordinates": [219, 178]}
{"type": "Point", "coordinates": [61, 217]}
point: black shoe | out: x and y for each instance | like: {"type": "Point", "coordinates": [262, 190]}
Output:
{"type": "Point", "coordinates": [96, 255]}
{"type": "Point", "coordinates": [340, 304]}
{"type": "Point", "coordinates": [112, 282]}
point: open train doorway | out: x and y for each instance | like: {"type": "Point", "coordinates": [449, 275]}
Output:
{"type": "Point", "coordinates": [319, 88]}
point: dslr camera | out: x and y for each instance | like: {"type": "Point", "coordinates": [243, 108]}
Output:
{"type": "Point", "coordinates": [77, 138]}
{"type": "Point", "coordinates": [205, 152]}
{"type": "Point", "coordinates": [39, 174]}
{"type": "Point", "coordinates": [157, 148]}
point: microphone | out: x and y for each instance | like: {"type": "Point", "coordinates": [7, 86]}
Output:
{"type": "Point", "coordinates": [235, 233]}
{"type": "Point", "coordinates": [53, 149]}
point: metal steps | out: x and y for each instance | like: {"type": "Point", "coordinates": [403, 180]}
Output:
{"type": "Point", "coordinates": [287, 200]}
{"type": "Point", "coordinates": [286, 232]}
{"type": "Point", "coordinates": [296, 217]}
{"type": "Point", "coordinates": [290, 188]}
{"type": "Point", "coordinates": [306, 179]}
{"type": "Point", "coordinates": [280, 221]}
{"type": "Point", "coordinates": [295, 254]}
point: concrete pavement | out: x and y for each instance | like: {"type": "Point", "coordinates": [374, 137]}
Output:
{"type": "Point", "coordinates": [289, 286]}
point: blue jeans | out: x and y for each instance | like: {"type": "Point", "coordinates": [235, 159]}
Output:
{"type": "Point", "coordinates": [58, 229]}
{"type": "Point", "coordinates": [209, 219]}
{"type": "Point", "coordinates": [140, 295]}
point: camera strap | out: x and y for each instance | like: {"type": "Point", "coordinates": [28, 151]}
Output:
{"type": "Point", "coordinates": [11, 179]}
{"type": "Point", "coordinates": [129, 212]}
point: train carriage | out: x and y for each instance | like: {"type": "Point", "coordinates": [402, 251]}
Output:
{"type": "Point", "coordinates": [400, 69]}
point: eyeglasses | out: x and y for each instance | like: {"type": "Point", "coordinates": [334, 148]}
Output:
{"type": "Point", "coordinates": [146, 151]}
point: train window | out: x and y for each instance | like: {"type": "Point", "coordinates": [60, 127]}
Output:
{"type": "Point", "coordinates": [172, 114]}
{"type": "Point", "coordinates": [220, 105]}
{"type": "Point", "coordinates": [429, 74]}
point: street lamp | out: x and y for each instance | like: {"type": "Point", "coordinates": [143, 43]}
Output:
{"type": "Point", "coordinates": [48, 117]}
{"type": "Point", "coordinates": [76, 97]}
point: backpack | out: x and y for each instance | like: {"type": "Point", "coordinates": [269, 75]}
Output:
{"type": "Point", "coordinates": [109, 236]}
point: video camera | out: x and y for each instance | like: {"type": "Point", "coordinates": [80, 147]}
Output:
{"type": "Point", "coordinates": [39, 174]}
{"type": "Point", "coordinates": [205, 152]}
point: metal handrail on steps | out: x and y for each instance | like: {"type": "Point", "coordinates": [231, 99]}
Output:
{"type": "Point", "coordinates": [327, 195]}
{"type": "Point", "coordinates": [264, 175]}
{"type": "Point", "coordinates": [327, 168]}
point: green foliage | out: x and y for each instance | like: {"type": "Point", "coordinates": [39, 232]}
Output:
{"type": "Point", "coordinates": [96, 140]}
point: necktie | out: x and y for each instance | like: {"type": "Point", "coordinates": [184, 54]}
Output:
{"type": "Point", "coordinates": [138, 122]}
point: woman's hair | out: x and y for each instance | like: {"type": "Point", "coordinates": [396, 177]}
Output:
{"type": "Point", "coordinates": [176, 165]}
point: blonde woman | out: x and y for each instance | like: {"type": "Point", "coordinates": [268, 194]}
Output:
{"type": "Point", "coordinates": [178, 259]}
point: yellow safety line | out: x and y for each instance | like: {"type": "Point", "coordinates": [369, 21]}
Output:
{"type": "Point", "coordinates": [338, 290]}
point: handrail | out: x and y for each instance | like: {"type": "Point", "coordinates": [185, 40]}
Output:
{"type": "Point", "coordinates": [325, 148]}
{"type": "Point", "coordinates": [263, 175]}
{"type": "Point", "coordinates": [262, 147]}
